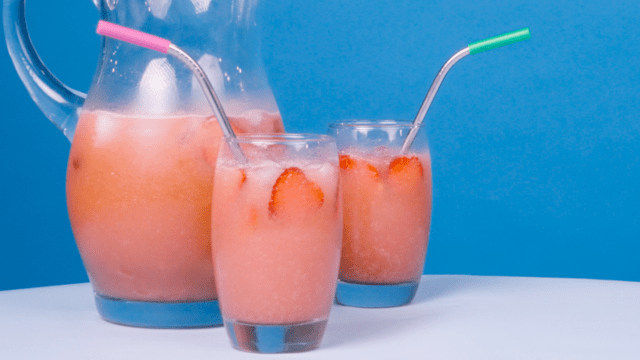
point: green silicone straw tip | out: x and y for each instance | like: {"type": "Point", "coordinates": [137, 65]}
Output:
{"type": "Point", "coordinates": [498, 41]}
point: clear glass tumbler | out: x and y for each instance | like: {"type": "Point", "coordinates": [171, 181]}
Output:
{"type": "Point", "coordinates": [276, 240]}
{"type": "Point", "coordinates": [387, 212]}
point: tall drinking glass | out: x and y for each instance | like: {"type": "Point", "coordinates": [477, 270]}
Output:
{"type": "Point", "coordinates": [276, 240]}
{"type": "Point", "coordinates": [387, 212]}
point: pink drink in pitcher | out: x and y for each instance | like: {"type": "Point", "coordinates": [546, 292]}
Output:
{"type": "Point", "coordinates": [139, 200]}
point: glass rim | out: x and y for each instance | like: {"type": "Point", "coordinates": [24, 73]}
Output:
{"type": "Point", "coordinates": [374, 124]}
{"type": "Point", "coordinates": [281, 138]}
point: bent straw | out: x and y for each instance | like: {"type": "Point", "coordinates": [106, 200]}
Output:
{"type": "Point", "coordinates": [164, 46]}
{"type": "Point", "coordinates": [472, 49]}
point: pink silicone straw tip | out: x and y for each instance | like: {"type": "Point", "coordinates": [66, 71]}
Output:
{"type": "Point", "coordinates": [135, 37]}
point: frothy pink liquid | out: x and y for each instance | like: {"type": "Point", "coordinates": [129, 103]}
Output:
{"type": "Point", "coordinates": [274, 268]}
{"type": "Point", "coordinates": [387, 214]}
{"type": "Point", "coordinates": [139, 200]}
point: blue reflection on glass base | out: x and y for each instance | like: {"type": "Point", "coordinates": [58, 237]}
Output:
{"type": "Point", "coordinates": [162, 315]}
{"type": "Point", "coordinates": [375, 296]}
{"type": "Point", "coordinates": [269, 339]}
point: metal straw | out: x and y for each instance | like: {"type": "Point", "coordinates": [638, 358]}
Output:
{"type": "Point", "coordinates": [164, 46]}
{"type": "Point", "coordinates": [472, 49]}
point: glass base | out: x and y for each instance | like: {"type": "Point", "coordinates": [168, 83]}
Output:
{"type": "Point", "coordinates": [375, 296]}
{"type": "Point", "coordinates": [163, 315]}
{"type": "Point", "coordinates": [269, 339]}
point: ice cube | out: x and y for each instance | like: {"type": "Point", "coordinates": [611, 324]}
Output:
{"type": "Point", "coordinates": [211, 67]}
{"type": "Point", "coordinates": [321, 173]}
{"type": "Point", "coordinates": [157, 91]}
{"type": "Point", "coordinates": [159, 8]}
{"type": "Point", "coordinates": [265, 173]}
{"type": "Point", "coordinates": [106, 127]}
{"type": "Point", "coordinates": [201, 6]}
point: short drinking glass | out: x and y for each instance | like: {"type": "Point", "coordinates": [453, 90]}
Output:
{"type": "Point", "coordinates": [276, 239]}
{"type": "Point", "coordinates": [387, 212]}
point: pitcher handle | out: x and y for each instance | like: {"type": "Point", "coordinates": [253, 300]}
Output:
{"type": "Point", "coordinates": [57, 101]}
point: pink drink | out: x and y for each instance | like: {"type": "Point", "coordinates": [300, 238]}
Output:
{"type": "Point", "coordinates": [139, 200]}
{"type": "Point", "coordinates": [387, 211]}
{"type": "Point", "coordinates": [277, 240]}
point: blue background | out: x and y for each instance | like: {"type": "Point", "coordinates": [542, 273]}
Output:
{"type": "Point", "coordinates": [535, 146]}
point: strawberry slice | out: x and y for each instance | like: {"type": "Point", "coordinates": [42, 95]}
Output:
{"type": "Point", "coordinates": [406, 172]}
{"type": "Point", "coordinates": [243, 178]}
{"type": "Point", "coordinates": [347, 162]}
{"type": "Point", "coordinates": [294, 195]}
{"type": "Point", "coordinates": [237, 176]}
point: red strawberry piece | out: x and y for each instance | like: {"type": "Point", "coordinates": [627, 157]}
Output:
{"type": "Point", "coordinates": [406, 172]}
{"type": "Point", "coordinates": [243, 178]}
{"type": "Point", "coordinates": [294, 195]}
{"type": "Point", "coordinates": [347, 162]}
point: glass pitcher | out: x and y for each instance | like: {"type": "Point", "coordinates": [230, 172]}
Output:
{"type": "Point", "coordinates": [144, 142]}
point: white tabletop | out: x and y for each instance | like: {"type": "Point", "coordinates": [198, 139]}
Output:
{"type": "Point", "coordinates": [452, 317]}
